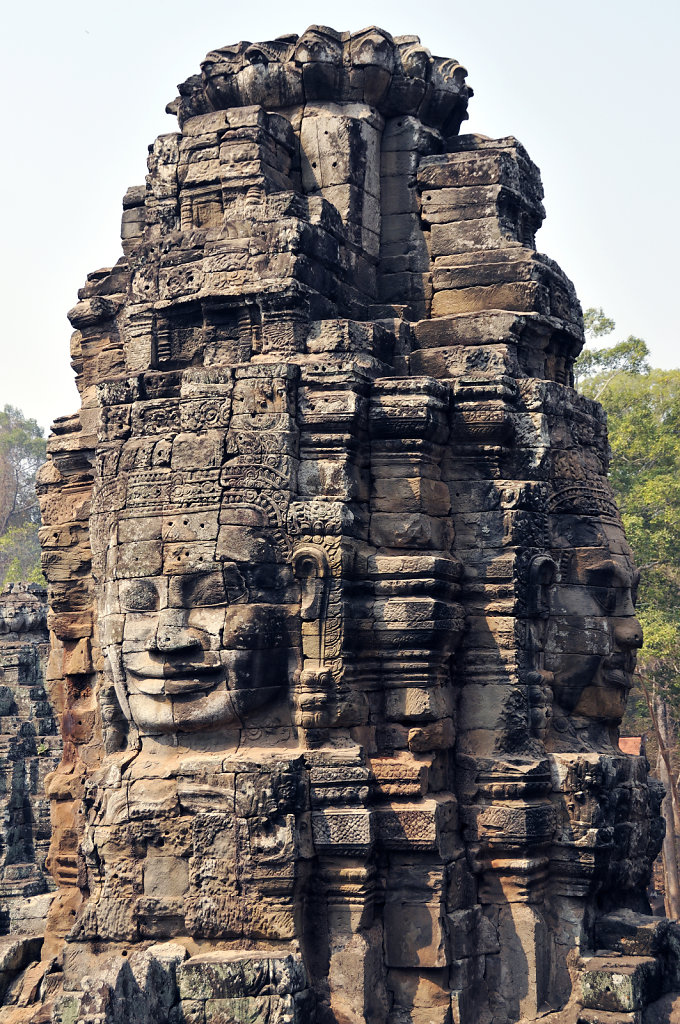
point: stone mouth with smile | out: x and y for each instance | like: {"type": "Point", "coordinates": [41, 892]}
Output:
{"type": "Point", "coordinates": [157, 675]}
{"type": "Point", "coordinates": [618, 668]}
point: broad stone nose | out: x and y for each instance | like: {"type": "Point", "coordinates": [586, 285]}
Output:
{"type": "Point", "coordinates": [628, 632]}
{"type": "Point", "coordinates": [173, 634]}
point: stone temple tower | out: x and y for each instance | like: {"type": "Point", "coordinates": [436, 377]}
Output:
{"type": "Point", "coordinates": [341, 608]}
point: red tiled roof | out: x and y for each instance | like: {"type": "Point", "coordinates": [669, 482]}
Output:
{"type": "Point", "coordinates": [630, 744]}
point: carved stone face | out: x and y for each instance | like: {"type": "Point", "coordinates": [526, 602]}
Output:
{"type": "Point", "coordinates": [448, 100]}
{"type": "Point", "coordinates": [219, 72]}
{"type": "Point", "coordinates": [373, 47]}
{"type": "Point", "coordinates": [319, 45]}
{"type": "Point", "coordinates": [205, 645]}
{"type": "Point", "coordinates": [199, 607]}
{"type": "Point", "coordinates": [593, 634]}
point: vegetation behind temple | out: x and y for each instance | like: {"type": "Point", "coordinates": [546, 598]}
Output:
{"type": "Point", "coordinates": [22, 451]}
{"type": "Point", "coordinates": [643, 410]}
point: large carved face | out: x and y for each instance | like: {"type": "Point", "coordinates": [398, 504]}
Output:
{"type": "Point", "coordinates": [201, 610]}
{"type": "Point", "coordinates": [206, 640]}
{"type": "Point", "coordinates": [593, 633]}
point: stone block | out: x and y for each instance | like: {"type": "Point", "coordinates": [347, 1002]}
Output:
{"type": "Point", "coordinates": [411, 494]}
{"type": "Point", "coordinates": [467, 236]}
{"type": "Point", "coordinates": [622, 983]}
{"type": "Point", "coordinates": [239, 974]}
{"type": "Point", "coordinates": [342, 832]}
{"type": "Point", "coordinates": [632, 934]}
{"type": "Point", "coordinates": [435, 736]}
{"type": "Point", "coordinates": [166, 877]}
{"type": "Point", "coordinates": [430, 826]}
{"type": "Point", "coordinates": [138, 558]}
{"type": "Point", "coordinates": [414, 934]}
{"type": "Point", "coordinates": [410, 530]}
{"type": "Point", "coordinates": [193, 1011]}
{"type": "Point", "coordinates": [397, 197]}
{"type": "Point", "coordinates": [525, 297]}
{"type": "Point", "coordinates": [419, 704]}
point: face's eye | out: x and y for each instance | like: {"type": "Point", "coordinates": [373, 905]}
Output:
{"type": "Point", "coordinates": [234, 584]}
{"type": "Point", "coordinates": [606, 597]}
{"type": "Point", "coordinates": [203, 589]}
{"type": "Point", "coordinates": [140, 596]}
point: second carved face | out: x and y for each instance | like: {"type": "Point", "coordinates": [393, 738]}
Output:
{"type": "Point", "coordinates": [593, 633]}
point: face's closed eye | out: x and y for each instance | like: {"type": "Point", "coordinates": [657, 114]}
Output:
{"type": "Point", "coordinates": [606, 598]}
{"type": "Point", "coordinates": [235, 585]}
{"type": "Point", "coordinates": [612, 587]}
{"type": "Point", "coordinates": [203, 590]}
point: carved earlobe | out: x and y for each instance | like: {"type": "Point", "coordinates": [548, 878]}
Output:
{"type": "Point", "coordinates": [542, 574]}
{"type": "Point", "coordinates": [312, 570]}
{"type": "Point", "coordinates": [314, 683]}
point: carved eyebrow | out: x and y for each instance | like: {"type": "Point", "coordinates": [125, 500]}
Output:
{"type": "Point", "coordinates": [607, 574]}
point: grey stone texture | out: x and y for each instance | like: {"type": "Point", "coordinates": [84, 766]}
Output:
{"type": "Point", "coordinates": [341, 607]}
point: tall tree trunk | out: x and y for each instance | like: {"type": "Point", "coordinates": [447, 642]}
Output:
{"type": "Point", "coordinates": [670, 857]}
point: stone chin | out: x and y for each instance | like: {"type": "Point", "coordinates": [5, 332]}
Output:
{"type": "Point", "coordinates": [197, 712]}
{"type": "Point", "coordinates": [593, 686]}
{"type": "Point", "coordinates": [605, 698]}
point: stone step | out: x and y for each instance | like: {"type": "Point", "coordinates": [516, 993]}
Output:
{"type": "Point", "coordinates": [587, 1016]}
{"type": "Point", "coordinates": [620, 983]}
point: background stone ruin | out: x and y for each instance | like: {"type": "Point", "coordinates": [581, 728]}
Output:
{"type": "Point", "coordinates": [341, 610]}
{"type": "Point", "coordinates": [30, 748]}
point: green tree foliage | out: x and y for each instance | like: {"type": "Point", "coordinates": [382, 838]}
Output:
{"type": "Point", "coordinates": [22, 451]}
{"type": "Point", "coordinates": [599, 366]}
{"type": "Point", "coordinates": [643, 413]}
{"type": "Point", "coordinates": [595, 368]}
{"type": "Point", "coordinates": [20, 555]}
{"type": "Point", "coordinates": [596, 323]}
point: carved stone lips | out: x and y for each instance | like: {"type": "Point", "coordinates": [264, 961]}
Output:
{"type": "Point", "coordinates": [189, 685]}
{"type": "Point", "coordinates": [184, 670]}
{"type": "Point", "coordinates": [181, 677]}
{"type": "Point", "coordinates": [152, 668]}
{"type": "Point", "coordinates": [617, 669]}
{"type": "Point", "coordinates": [181, 682]}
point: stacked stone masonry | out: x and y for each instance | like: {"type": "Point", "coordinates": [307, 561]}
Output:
{"type": "Point", "coordinates": [30, 748]}
{"type": "Point", "coordinates": [341, 608]}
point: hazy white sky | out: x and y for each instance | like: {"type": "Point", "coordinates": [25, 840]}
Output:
{"type": "Point", "coordinates": [589, 86]}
